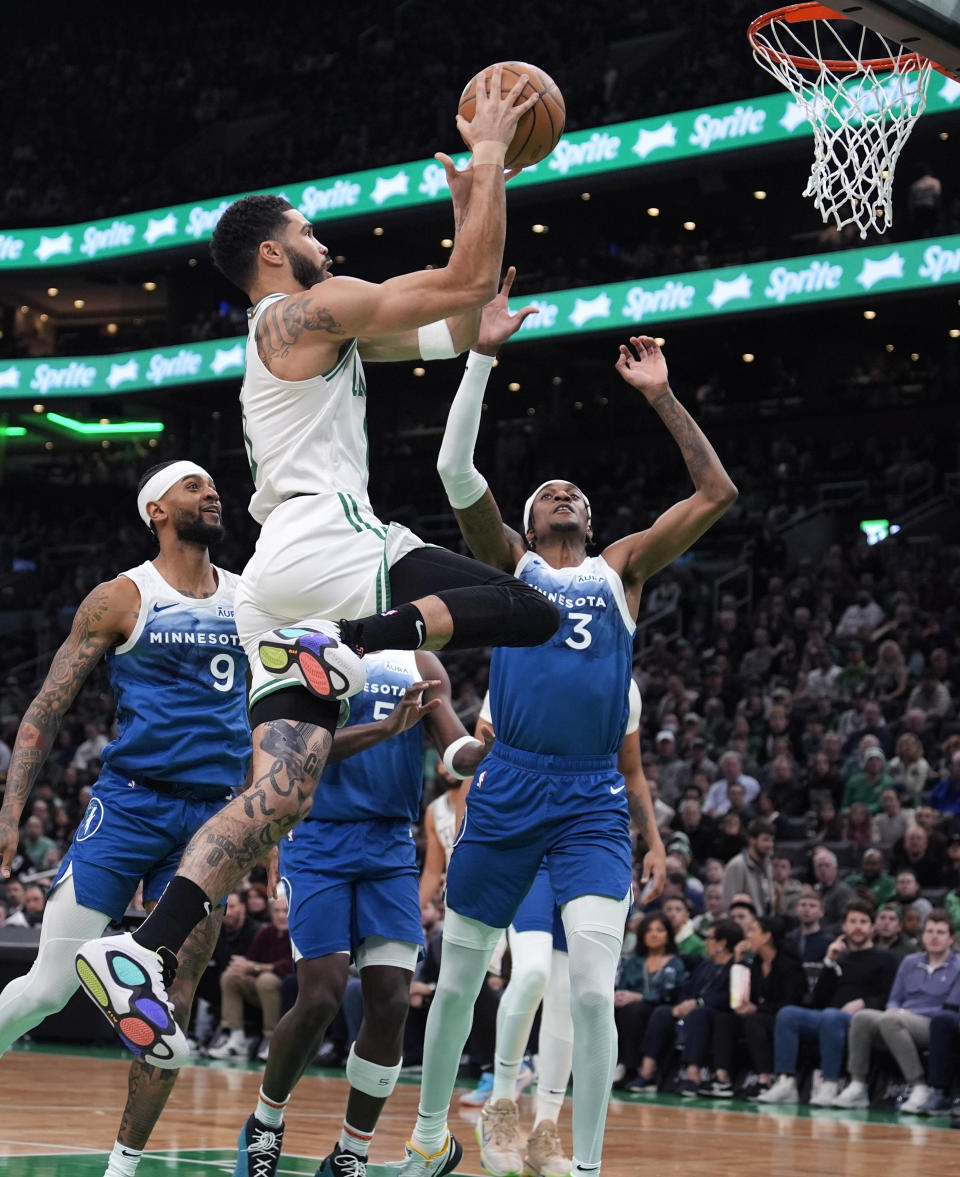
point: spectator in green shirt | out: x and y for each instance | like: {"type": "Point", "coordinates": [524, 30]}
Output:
{"type": "Point", "coordinates": [688, 943]}
{"type": "Point", "coordinates": [868, 785]}
{"type": "Point", "coordinates": [36, 846]}
{"type": "Point", "coordinates": [873, 878]}
{"type": "Point", "coordinates": [856, 675]}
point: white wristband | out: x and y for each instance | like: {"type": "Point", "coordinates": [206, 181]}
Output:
{"type": "Point", "coordinates": [436, 342]}
{"type": "Point", "coordinates": [451, 751]}
{"type": "Point", "coordinates": [462, 481]}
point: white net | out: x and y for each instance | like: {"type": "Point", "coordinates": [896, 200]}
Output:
{"type": "Point", "coordinates": [860, 92]}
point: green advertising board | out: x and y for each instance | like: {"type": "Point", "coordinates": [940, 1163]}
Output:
{"type": "Point", "coordinates": [699, 133]}
{"type": "Point", "coordinates": [643, 304]}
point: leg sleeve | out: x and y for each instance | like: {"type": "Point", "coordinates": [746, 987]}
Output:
{"type": "Point", "coordinates": [52, 981]}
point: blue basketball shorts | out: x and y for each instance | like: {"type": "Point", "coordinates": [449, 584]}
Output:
{"type": "Point", "coordinates": [129, 833]}
{"type": "Point", "coordinates": [524, 807]}
{"type": "Point", "coordinates": [347, 880]}
{"type": "Point", "coordinates": [538, 911]}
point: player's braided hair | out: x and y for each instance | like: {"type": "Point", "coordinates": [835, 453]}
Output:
{"type": "Point", "coordinates": [240, 231]}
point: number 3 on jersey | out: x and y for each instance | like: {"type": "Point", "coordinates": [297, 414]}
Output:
{"type": "Point", "coordinates": [581, 636]}
{"type": "Point", "coordinates": [223, 668]}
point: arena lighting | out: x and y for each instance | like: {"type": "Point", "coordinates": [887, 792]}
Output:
{"type": "Point", "coordinates": [869, 314]}
{"type": "Point", "coordinates": [513, 386]}
{"type": "Point", "coordinates": [653, 212]}
{"type": "Point", "coordinates": [538, 228]}
{"type": "Point", "coordinates": [584, 195]}
{"type": "Point", "coordinates": [419, 371]}
{"type": "Point", "coordinates": [149, 287]}
{"type": "Point", "coordinates": [446, 243]}
{"type": "Point", "coordinates": [759, 194]}
{"type": "Point", "coordinates": [954, 332]}
{"type": "Point", "coordinates": [53, 291]}
{"type": "Point", "coordinates": [96, 429]}
{"type": "Point", "coordinates": [689, 226]}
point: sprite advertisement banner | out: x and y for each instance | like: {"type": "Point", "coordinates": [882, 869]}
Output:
{"type": "Point", "coordinates": [618, 147]}
{"type": "Point", "coordinates": [643, 305]}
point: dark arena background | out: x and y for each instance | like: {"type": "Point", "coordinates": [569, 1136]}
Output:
{"type": "Point", "coordinates": [823, 366]}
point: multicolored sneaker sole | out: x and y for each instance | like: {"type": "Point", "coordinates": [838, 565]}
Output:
{"type": "Point", "coordinates": [310, 650]}
{"type": "Point", "coordinates": [142, 1023]}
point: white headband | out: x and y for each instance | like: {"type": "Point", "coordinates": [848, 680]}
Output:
{"type": "Point", "coordinates": [156, 487]}
{"type": "Point", "coordinates": [528, 505]}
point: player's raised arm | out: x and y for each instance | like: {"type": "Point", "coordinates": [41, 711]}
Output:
{"type": "Point", "coordinates": [639, 556]}
{"type": "Point", "coordinates": [105, 617]}
{"type": "Point", "coordinates": [336, 309]}
{"type": "Point", "coordinates": [478, 515]}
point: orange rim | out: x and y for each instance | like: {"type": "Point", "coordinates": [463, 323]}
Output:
{"type": "Point", "coordinates": [798, 14]}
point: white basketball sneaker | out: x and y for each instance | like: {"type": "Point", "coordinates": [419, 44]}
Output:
{"type": "Point", "coordinates": [854, 1095]}
{"type": "Point", "coordinates": [128, 985]}
{"type": "Point", "coordinates": [783, 1091]}
{"type": "Point", "coordinates": [418, 1164]}
{"type": "Point", "coordinates": [544, 1156]}
{"type": "Point", "coordinates": [313, 656]}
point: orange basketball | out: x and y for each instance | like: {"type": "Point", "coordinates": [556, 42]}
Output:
{"type": "Point", "coordinates": [539, 130]}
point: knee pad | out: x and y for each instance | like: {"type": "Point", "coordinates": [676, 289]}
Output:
{"type": "Point", "coordinates": [371, 1078]}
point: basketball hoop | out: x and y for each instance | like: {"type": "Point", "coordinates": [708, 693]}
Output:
{"type": "Point", "coordinates": [861, 93]}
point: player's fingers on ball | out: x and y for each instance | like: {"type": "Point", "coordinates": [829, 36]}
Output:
{"type": "Point", "coordinates": [522, 107]}
{"type": "Point", "coordinates": [517, 88]}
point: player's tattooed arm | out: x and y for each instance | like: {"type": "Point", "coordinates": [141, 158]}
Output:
{"type": "Point", "coordinates": [105, 617]}
{"type": "Point", "coordinates": [637, 557]}
{"type": "Point", "coordinates": [285, 322]}
{"type": "Point", "coordinates": [487, 536]}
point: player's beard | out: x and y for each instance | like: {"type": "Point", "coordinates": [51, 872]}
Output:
{"type": "Point", "coordinates": [197, 530]}
{"type": "Point", "coordinates": [304, 269]}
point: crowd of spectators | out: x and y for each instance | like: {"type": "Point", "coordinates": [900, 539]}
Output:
{"type": "Point", "coordinates": [150, 108]}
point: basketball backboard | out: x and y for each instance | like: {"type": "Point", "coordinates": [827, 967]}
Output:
{"type": "Point", "coordinates": [930, 27]}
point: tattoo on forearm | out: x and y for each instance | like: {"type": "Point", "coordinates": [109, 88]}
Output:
{"type": "Point", "coordinates": [698, 453]}
{"type": "Point", "coordinates": [283, 323]}
{"type": "Point", "coordinates": [638, 815]}
{"type": "Point", "coordinates": [71, 665]}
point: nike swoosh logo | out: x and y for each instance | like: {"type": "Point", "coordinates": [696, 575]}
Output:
{"type": "Point", "coordinates": [618, 789]}
{"type": "Point", "coordinates": [160, 608]}
{"type": "Point", "coordinates": [124, 1152]}
{"type": "Point", "coordinates": [420, 633]}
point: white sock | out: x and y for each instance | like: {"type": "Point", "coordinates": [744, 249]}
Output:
{"type": "Point", "coordinates": [270, 1111]}
{"type": "Point", "coordinates": [123, 1161]}
{"type": "Point", "coordinates": [556, 1042]}
{"type": "Point", "coordinates": [530, 955]}
{"type": "Point", "coordinates": [587, 1170]}
{"type": "Point", "coordinates": [355, 1140]}
{"type": "Point", "coordinates": [462, 970]}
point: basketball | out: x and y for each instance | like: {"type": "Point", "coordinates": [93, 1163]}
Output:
{"type": "Point", "coordinates": [539, 130]}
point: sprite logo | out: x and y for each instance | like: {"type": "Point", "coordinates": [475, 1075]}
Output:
{"type": "Point", "coordinates": [741, 123]}
{"type": "Point", "coordinates": [202, 221]}
{"type": "Point", "coordinates": [342, 194]}
{"type": "Point", "coordinates": [818, 276]}
{"type": "Point", "coordinates": [165, 367]}
{"type": "Point", "coordinates": [10, 248]}
{"type": "Point", "coordinates": [117, 236]}
{"type": "Point", "coordinates": [73, 375]}
{"type": "Point", "coordinates": [599, 148]}
{"type": "Point", "coordinates": [938, 261]}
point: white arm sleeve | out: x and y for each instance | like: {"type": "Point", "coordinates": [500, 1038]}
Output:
{"type": "Point", "coordinates": [462, 481]}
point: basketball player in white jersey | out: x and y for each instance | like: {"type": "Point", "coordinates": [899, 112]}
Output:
{"type": "Point", "coordinates": [549, 787]}
{"type": "Point", "coordinates": [167, 634]}
{"type": "Point", "coordinates": [322, 554]}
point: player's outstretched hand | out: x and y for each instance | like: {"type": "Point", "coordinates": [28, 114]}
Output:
{"type": "Point", "coordinates": [411, 708]}
{"type": "Point", "coordinates": [496, 117]}
{"type": "Point", "coordinates": [497, 324]}
{"type": "Point", "coordinates": [642, 366]}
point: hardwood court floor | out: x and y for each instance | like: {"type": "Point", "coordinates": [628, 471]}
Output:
{"type": "Point", "coordinates": [59, 1114]}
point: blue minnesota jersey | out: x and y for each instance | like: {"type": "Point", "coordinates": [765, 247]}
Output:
{"type": "Point", "coordinates": [180, 684]}
{"type": "Point", "coordinates": [568, 697]}
{"type": "Point", "coordinates": [385, 781]}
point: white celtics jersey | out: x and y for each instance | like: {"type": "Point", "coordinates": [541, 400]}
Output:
{"type": "Point", "coordinates": [304, 436]}
{"type": "Point", "coordinates": [445, 823]}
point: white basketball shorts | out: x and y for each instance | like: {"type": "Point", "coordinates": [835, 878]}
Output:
{"type": "Point", "coordinates": [323, 556]}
